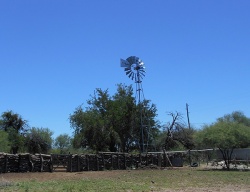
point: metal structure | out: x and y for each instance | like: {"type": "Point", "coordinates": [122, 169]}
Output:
{"type": "Point", "coordinates": [135, 70]}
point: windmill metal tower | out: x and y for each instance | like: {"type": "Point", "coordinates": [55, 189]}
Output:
{"type": "Point", "coordinates": [135, 69]}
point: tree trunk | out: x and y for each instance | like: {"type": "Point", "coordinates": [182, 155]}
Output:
{"type": "Point", "coordinates": [227, 156]}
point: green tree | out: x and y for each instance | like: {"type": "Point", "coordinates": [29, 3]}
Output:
{"type": "Point", "coordinates": [16, 127]}
{"type": "Point", "coordinates": [126, 120]}
{"type": "Point", "coordinates": [236, 116]}
{"type": "Point", "coordinates": [110, 123]}
{"type": "Point", "coordinates": [5, 144]}
{"type": "Point", "coordinates": [92, 132]}
{"type": "Point", "coordinates": [122, 117]}
{"type": "Point", "coordinates": [39, 140]}
{"type": "Point", "coordinates": [9, 119]}
{"type": "Point", "coordinates": [63, 143]}
{"type": "Point", "coordinates": [226, 135]}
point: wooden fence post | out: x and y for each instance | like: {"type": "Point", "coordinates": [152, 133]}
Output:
{"type": "Point", "coordinates": [6, 163]}
{"type": "Point", "coordinates": [164, 159]}
{"type": "Point", "coordinates": [112, 165]}
{"type": "Point", "coordinates": [87, 161]}
{"type": "Point", "coordinates": [78, 162]}
{"type": "Point", "coordinates": [31, 165]}
{"type": "Point", "coordinates": [132, 161]}
{"type": "Point", "coordinates": [152, 159]}
{"type": "Point", "coordinates": [51, 163]}
{"type": "Point", "coordinates": [97, 162]}
{"type": "Point", "coordinates": [125, 161]}
{"type": "Point", "coordinates": [159, 157]}
{"type": "Point", "coordinates": [69, 167]}
{"type": "Point", "coordinates": [118, 164]}
{"type": "Point", "coordinates": [140, 160]}
{"type": "Point", "coordinates": [103, 160]}
{"type": "Point", "coordinates": [19, 162]}
{"type": "Point", "coordinates": [41, 161]}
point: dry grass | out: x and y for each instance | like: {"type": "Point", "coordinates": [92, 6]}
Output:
{"type": "Point", "coordinates": [184, 179]}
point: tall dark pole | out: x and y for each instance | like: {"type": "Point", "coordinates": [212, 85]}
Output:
{"type": "Point", "coordinates": [189, 154]}
{"type": "Point", "coordinates": [188, 116]}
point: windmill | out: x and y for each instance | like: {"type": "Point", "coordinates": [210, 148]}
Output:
{"type": "Point", "coordinates": [135, 70]}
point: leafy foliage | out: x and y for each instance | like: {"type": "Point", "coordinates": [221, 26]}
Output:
{"type": "Point", "coordinates": [39, 140]}
{"type": "Point", "coordinates": [235, 116]}
{"type": "Point", "coordinates": [112, 123]}
{"type": "Point", "coordinates": [5, 144]}
{"type": "Point", "coordinates": [13, 120]}
{"type": "Point", "coordinates": [63, 143]}
{"type": "Point", "coordinates": [229, 132]}
{"type": "Point", "coordinates": [16, 127]}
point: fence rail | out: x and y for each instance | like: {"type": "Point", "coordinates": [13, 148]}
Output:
{"type": "Point", "coordinates": [84, 162]}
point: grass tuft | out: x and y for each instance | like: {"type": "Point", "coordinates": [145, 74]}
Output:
{"type": "Point", "coordinates": [5, 183]}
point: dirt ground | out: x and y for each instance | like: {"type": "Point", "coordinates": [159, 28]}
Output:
{"type": "Point", "coordinates": [45, 176]}
{"type": "Point", "coordinates": [18, 177]}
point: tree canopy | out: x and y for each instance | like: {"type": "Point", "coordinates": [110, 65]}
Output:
{"type": "Point", "coordinates": [111, 123]}
{"type": "Point", "coordinates": [5, 144]}
{"type": "Point", "coordinates": [229, 132]}
{"type": "Point", "coordinates": [63, 143]}
{"type": "Point", "coordinates": [11, 120]}
{"type": "Point", "coordinates": [39, 140]}
{"type": "Point", "coordinates": [16, 127]}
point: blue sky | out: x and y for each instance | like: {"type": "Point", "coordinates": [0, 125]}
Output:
{"type": "Point", "coordinates": [54, 54]}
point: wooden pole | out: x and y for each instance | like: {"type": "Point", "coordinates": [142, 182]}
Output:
{"type": "Point", "coordinates": [118, 164]}
{"type": "Point", "coordinates": [87, 161]}
{"type": "Point", "coordinates": [159, 158]}
{"type": "Point", "coordinates": [112, 164]}
{"type": "Point", "coordinates": [51, 164]}
{"type": "Point", "coordinates": [97, 162]}
{"type": "Point", "coordinates": [78, 162]}
{"type": "Point", "coordinates": [69, 167]}
{"type": "Point", "coordinates": [6, 163]}
{"type": "Point", "coordinates": [188, 116]}
{"type": "Point", "coordinates": [125, 162]}
{"type": "Point", "coordinates": [103, 160]}
{"type": "Point", "coordinates": [31, 165]}
{"type": "Point", "coordinates": [41, 161]}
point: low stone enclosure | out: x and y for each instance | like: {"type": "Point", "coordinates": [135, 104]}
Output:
{"type": "Point", "coordinates": [114, 161]}
{"type": "Point", "coordinates": [85, 162]}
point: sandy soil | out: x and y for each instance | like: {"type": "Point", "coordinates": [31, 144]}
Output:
{"type": "Point", "coordinates": [45, 176]}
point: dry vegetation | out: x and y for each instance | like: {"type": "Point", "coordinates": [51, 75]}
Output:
{"type": "Point", "coordinates": [181, 179]}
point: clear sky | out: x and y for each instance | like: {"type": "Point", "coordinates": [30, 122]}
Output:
{"type": "Point", "coordinates": [54, 54]}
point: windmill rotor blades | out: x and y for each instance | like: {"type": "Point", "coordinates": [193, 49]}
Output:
{"type": "Point", "coordinates": [134, 67]}
{"type": "Point", "coordinates": [124, 63]}
{"type": "Point", "coordinates": [131, 74]}
{"type": "Point", "coordinates": [133, 60]}
{"type": "Point", "coordinates": [142, 74]}
{"type": "Point", "coordinates": [126, 69]}
{"type": "Point", "coordinates": [128, 72]}
{"type": "Point", "coordinates": [133, 77]}
{"type": "Point", "coordinates": [142, 71]}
